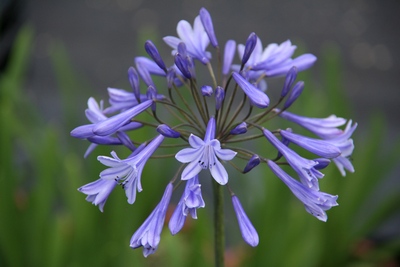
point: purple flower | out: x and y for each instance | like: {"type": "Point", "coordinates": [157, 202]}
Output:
{"type": "Point", "coordinates": [276, 60]}
{"type": "Point", "coordinates": [229, 53]}
{"type": "Point", "coordinates": [113, 124]}
{"type": "Point", "coordinates": [219, 97]}
{"type": "Point", "coordinates": [152, 51]}
{"type": "Point", "coordinates": [315, 202]}
{"type": "Point", "coordinates": [258, 98]}
{"type": "Point", "coordinates": [133, 78]}
{"type": "Point", "coordinates": [95, 114]}
{"type": "Point", "coordinates": [326, 128]}
{"type": "Point", "coordinates": [195, 39]}
{"type": "Point", "coordinates": [296, 92]}
{"type": "Point", "coordinates": [190, 201]}
{"type": "Point", "coordinates": [206, 90]}
{"type": "Point", "coordinates": [121, 100]}
{"type": "Point", "coordinates": [241, 128]}
{"type": "Point", "coordinates": [249, 47]}
{"type": "Point", "coordinates": [203, 155]}
{"type": "Point", "coordinates": [148, 234]}
{"type": "Point", "coordinates": [98, 191]}
{"type": "Point", "coordinates": [346, 147]}
{"type": "Point", "coordinates": [252, 163]}
{"type": "Point", "coordinates": [208, 26]}
{"type": "Point", "coordinates": [128, 171]}
{"type": "Point", "coordinates": [304, 167]}
{"type": "Point", "coordinates": [167, 131]}
{"type": "Point", "coordinates": [319, 147]}
{"type": "Point", "coordinates": [247, 229]}
{"type": "Point", "coordinates": [289, 80]}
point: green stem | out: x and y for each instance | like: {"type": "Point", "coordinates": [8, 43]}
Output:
{"type": "Point", "coordinates": [219, 234]}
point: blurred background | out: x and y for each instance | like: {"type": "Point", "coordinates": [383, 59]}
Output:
{"type": "Point", "coordinates": [54, 55]}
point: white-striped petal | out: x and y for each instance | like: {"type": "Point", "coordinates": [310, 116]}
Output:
{"type": "Point", "coordinates": [188, 154]}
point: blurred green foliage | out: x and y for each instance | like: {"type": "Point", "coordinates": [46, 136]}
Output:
{"type": "Point", "coordinates": [45, 221]}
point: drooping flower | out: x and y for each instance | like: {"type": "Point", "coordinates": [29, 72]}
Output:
{"type": "Point", "coordinates": [148, 234]}
{"type": "Point", "coordinates": [190, 201]}
{"type": "Point", "coordinates": [247, 229]}
{"type": "Point", "coordinates": [315, 202]}
{"type": "Point", "coordinates": [346, 147]}
{"type": "Point", "coordinates": [304, 167]}
{"type": "Point", "coordinates": [128, 171]}
{"type": "Point", "coordinates": [98, 191]}
{"type": "Point", "coordinates": [203, 155]}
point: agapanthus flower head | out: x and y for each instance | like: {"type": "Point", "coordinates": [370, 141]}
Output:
{"type": "Point", "coordinates": [216, 122]}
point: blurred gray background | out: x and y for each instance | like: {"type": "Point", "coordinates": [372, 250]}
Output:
{"type": "Point", "coordinates": [100, 37]}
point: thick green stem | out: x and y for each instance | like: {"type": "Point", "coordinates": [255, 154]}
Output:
{"type": "Point", "coordinates": [219, 232]}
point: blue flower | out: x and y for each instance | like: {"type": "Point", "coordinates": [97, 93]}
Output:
{"type": "Point", "coordinates": [195, 39]}
{"type": "Point", "coordinates": [148, 234]}
{"type": "Point", "coordinates": [258, 98]}
{"type": "Point", "coordinates": [315, 202]}
{"type": "Point", "coordinates": [247, 229]}
{"type": "Point", "coordinates": [276, 60]}
{"type": "Point", "coordinates": [98, 191]}
{"type": "Point", "coordinates": [95, 114]}
{"type": "Point", "coordinates": [325, 128]}
{"type": "Point", "coordinates": [319, 147]}
{"type": "Point", "coordinates": [203, 155]}
{"type": "Point", "coordinates": [304, 167]}
{"type": "Point", "coordinates": [128, 171]}
{"type": "Point", "coordinates": [113, 124]}
{"type": "Point", "coordinates": [346, 146]}
{"type": "Point", "coordinates": [190, 201]}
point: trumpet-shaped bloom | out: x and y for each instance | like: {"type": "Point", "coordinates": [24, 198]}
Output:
{"type": "Point", "coordinates": [247, 229]}
{"type": "Point", "coordinates": [276, 60]}
{"type": "Point", "coordinates": [128, 171]}
{"type": "Point", "coordinates": [98, 191]}
{"type": "Point", "coordinates": [113, 124]}
{"type": "Point", "coordinates": [195, 39]}
{"type": "Point", "coordinates": [304, 167]}
{"type": "Point", "coordinates": [148, 234]}
{"type": "Point", "coordinates": [190, 201]}
{"type": "Point", "coordinates": [315, 202]}
{"type": "Point", "coordinates": [346, 146]}
{"type": "Point", "coordinates": [95, 114]}
{"type": "Point", "coordinates": [326, 128]}
{"type": "Point", "coordinates": [319, 147]}
{"type": "Point", "coordinates": [203, 155]}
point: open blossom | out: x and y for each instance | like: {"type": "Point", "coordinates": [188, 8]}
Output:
{"type": "Point", "coordinates": [128, 171]}
{"type": "Point", "coordinates": [98, 191]}
{"type": "Point", "coordinates": [207, 123]}
{"type": "Point", "coordinates": [195, 39]}
{"type": "Point", "coordinates": [203, 155]}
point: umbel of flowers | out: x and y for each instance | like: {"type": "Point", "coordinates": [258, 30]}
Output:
{"type": "Point", "coordinates": [212, 122]}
